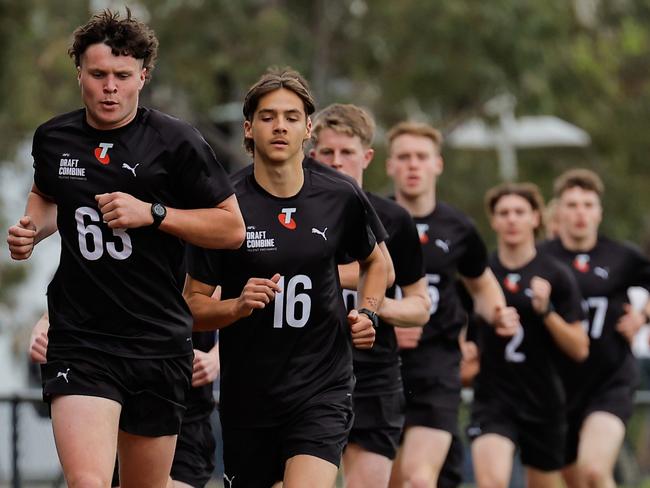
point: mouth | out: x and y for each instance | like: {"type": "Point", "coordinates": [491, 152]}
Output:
{"type": "Point", "coordinates": [108, 103]}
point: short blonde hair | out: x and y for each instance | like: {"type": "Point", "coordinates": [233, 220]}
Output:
{"type": "Point", "coordinates": [416, 129]}
{"type": "Point", "coordinates": [347, 119]}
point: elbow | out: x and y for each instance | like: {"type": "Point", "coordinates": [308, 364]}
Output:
{"type": "Point", "coordinates": [238, 234]}
{"type": "Point", "coordinates": [581, 353]}
{"type": "Point", "coordinates": [390, 277]}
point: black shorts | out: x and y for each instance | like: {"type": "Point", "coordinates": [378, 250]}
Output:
{"type": "Point", "coordinates": [151, 391]}
{"type": "Point", "coordinates": [540, 441]}
{"type": "Point", "coordinates": [378, 423]}
{"type": "Point", "coordinates": [195, 453]}
{"type": "Point", "coordinates": [451, 474]}
{"type": "Point", "coordinates": [615, 396]}
{"type": "Point", "coordinates": [255, 457]}
{"type": "Point", "coordinates": [433, 402]}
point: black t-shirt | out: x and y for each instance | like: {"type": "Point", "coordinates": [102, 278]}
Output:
{"type": "Point", "coordinates": [522, 370]}
{"type": "Point", "coordinates": [451, 245]}
{"type": "Point", "coordinates": [299, 346]}
{"type": "Point", "coordinates": [117, 290]}
{"type": "Point", "coordinates": [604, 275]}
{"type": "Point", "coordinates": [199, 401]}
{"type": "Point", "coordinates": [377, 370]}
{"type": "Point", "coordinates": [374, 221]}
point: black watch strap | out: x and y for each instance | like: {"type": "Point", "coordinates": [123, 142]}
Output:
{"type": "Point", "coordinates": [158, 212]}
{"type": "Point", "coordinates": [374, 318]}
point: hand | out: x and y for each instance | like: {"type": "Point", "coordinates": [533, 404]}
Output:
{"type": "Point", "coordinates": [257, 294]}
{"type": "Point", "coordinates": [408, 337]}
{"type": "Point", "coordinates": [205, 368]}
{"type": "Point", "coordinates": [541, 289]}
{"type": "Point", "coordinates": [38, 347]}
{"type": "Point", "coordinates": [124, 211]}
{"type": "Point", "coordinates": [630, 322]}
{"type": "Point", "coordinates": [469, 350]}
{"type": "Point", "coordinates": [506, 321]}
{"type": "Point", "coordinates": [21, 238]}
{"type": "Point", "coordinates": [363, 333]}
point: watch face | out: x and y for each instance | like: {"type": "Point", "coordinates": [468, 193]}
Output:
{"type": "Point", "coordinates": [159, 210]}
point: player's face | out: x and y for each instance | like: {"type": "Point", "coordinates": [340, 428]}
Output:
{"type": "Point", "coordinates": [579, 213]}
{"type": "Point", "coordinates": [342, 152]}
{"type": "Point", "coordinates": [414, 164]}
{"type": "Point", "coordinates": [514, 220]}
{"type": "Point", "coordinates": [110, 86]}
{"type": "Point", "coordinates": [279, 126]}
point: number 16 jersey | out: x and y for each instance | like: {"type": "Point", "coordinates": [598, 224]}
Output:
{"type": "Point", "coordinates": [298, 347]}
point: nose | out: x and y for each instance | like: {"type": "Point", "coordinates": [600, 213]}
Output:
{"type": "Point", "coordinates": [280, 126]}
{"type": "Point", "coordinates": [337, 161]}
{"type": "Point", "coordinates": [110, 86]}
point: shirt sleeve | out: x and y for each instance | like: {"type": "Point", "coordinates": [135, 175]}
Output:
{"type": "Point", "coordinates": [639, 267]}
{"type": "Point", "coordinates": [406, 252]}
{"type": "Point", "coordinates": [200, 180]}
{"type": "Point", "coordinates": [358, 238]}
{"type": "Point", "coordinates": [204, 265]}
{"type": "Point", "coordinates": [473, 262]}
{"type": "Point", "coordinates": [41, 180]}
{"type": "Point", "coordinates": [565, 295]}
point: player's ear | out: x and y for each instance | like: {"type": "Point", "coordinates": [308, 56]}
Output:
{"type": "Point", "coordinates": [368, 154]}
{"type": "Point", "coordinates": [439, 164]}
{"type": "Point", "coordinates": [308, 131]}
{"type": "Point", "coordinates": [79, 75]}
{"type": "Point", "coordinates": [248, 129]}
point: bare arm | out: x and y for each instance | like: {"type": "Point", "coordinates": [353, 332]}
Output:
{"type": "Point", "coordinates": [349, 273]}
{"type": "Point", "coordinates": [211, 314]}
{"type": "Point", "coordinates": [412, 310]}
{"type": "Point", "coordinates": [205, 367]}
{"type": "Point", "coordinates": [38, 223]}
{"type": "Point", "coordinates": [490, 303]}
{"type": "Point", "coordinates": [571, 338]}
{"type": "Point", "coordinates": [38, 340]}
{"type": "Point", "coordinates": [221, 227]}
{"type": "Point", "coordinates": [372, 286]}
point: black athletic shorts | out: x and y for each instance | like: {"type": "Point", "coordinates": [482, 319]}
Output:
{"type": "Point", "coordinates": [433, 402]}
{"type": "Point", "coordinates": [615, 396]}
{"type": "Point", "coordinates": [451, 474]}
{"type": "Point", "coordinates": [151, 391]}
{"type": "Point", "coordinates": [378, 423]}
{"type": "Point", "coordinates": [255, 457]}
{"type": "Point", "coordinates": [195, 453]}
{"type": "Point", "coordinates": [540, 441]}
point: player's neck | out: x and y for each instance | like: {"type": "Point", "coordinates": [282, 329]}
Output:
{"type": "Point", "coordinates": [578, 244]}
{"type": "Point", "coordinates": [284, 179]}
{"type": "Point", "coordinates": [517, 256]}
{"type": "Point", "coordinates": [418, 206]}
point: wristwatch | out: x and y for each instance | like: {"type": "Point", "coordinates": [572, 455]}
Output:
{"type": "Point", "coordinates": [158, 212]}
{"type": "Point", "coordinates": [374, 318]}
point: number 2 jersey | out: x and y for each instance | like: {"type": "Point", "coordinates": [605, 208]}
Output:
{"type": "Point", "coordinates": [522, 371]}
{"type": "Point", "coordinates": [292, 352]}
{"type": "Point", "coordinates": [117, 289]}
{"type": "Point", "coordinates": [604, 275]}
{"type": "Point", "coordinates": [450, 245]}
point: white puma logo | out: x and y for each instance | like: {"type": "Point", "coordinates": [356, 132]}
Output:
{"type": "Point", "coordinates": [314, 230]}
{"type": "Point", "coordinates": [229, 480]}
{"type": "Point", "coordinates": [444, 245]}
{"type": "Point", "coordinates": [132, 170]}
{"type": "Point", "coordinates": [64, 375]}
{"type": "Point", "coordinates": [601, 272]}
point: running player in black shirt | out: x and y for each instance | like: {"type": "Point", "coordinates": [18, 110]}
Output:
{"type": "Point", "coordinates": [119, 342]}
{"type": "Point", "coordinates": [600, 391]}
{"type": "Point", "coordinates": [519, 398]}
{"type": "Point", "coordinates": [286, 361]}
{"type": "Point", "coordinates": [451, 245]}
{"type": "Point", "coordinates": [342, 138]}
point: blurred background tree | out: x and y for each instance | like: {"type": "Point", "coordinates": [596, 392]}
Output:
{"type": "Point", "coordinates": [586, 61]}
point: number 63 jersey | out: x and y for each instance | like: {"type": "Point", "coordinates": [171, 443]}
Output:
{"type": "Point", "coordinates": [118, 290]}
{"type": "Point", "coordinates": [298, 347]}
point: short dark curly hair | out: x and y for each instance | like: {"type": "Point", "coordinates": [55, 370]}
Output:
{"type": "Point", "coordinates": [125, 37]}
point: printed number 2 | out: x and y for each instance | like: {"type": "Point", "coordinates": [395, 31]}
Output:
{"type": "Point", "coordinates": [293, 299]}
{"type": "Point", "coordinates": [599, 306]}
{"type": "Point", "coordinates": [96, 250]}
{"type": "Point", "coordinates": [511, 354]}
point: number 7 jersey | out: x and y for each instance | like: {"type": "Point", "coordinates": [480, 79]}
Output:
{"type": "Point", "coordinates": [298, 347]}
{"type": "Point", "coordinates": [117, 289]}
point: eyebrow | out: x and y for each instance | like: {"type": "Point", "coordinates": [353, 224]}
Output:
{"type": "Point", "coordinates": [292, 111]}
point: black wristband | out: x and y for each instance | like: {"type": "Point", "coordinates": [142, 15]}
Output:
{"type": "Point", "coordinates": [548, 310]}
{"type": "Point", "coordinates": [371, 315]}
